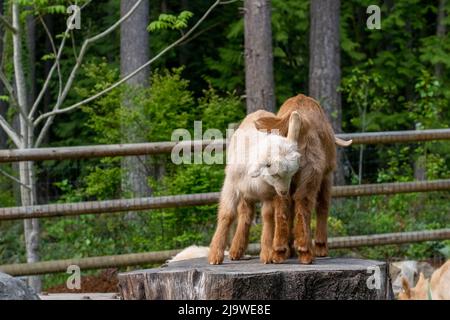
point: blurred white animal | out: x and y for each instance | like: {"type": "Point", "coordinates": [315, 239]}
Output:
{"type": "Point", "coordinates": [192, 252]}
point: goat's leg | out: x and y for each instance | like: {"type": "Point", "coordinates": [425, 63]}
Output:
{"type": "Point", "coordinates": [225, 217]}
{"type": "Point", "coordinates": [291, 214]}
{"type": "Point", "coordinates": [219, 240]}
{"type": "Point", "coordinates": [322, 209]}
{"type": "Point", "coordinates": [304, 202]}
{"type": "Point", "coordinates": [267, 214]}
{"type": "Point", "coordinates": [245, 214]}
{"type": "Point", "coordinates": [280, 244]}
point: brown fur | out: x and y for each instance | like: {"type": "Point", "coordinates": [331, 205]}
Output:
{"type": "Point", "coordinates": [311, 186]}
{"type": "Point", "coordinates": [439, 285]}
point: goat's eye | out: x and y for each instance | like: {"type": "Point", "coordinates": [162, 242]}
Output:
{"type": "Point", "coordinates": [268, 165]}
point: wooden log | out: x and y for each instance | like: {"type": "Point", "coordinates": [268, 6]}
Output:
{"type": "Point", "coordinates": [327, 278]}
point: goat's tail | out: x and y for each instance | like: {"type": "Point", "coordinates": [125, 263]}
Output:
{"type": "Point", "coordinates": [342, 143]}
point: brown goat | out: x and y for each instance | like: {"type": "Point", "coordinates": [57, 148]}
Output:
{"type": "Point", "coordinates": [311, 186]}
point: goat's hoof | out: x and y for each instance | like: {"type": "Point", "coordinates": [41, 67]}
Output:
{"type": "Point", "coordinates": [280, 254]}
{"type": "Point", "coordinates": [215, 257]}
{"type": "Point", "coordinates": [236, 254]}
{"type": "Point", "coordinates": [305, 257]}
{"type": "Point", "coordinates": [265, 256]}
{"type": "Point", "coordinates": [320, 249]}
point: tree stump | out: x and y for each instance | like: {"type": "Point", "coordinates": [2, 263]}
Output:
{"type": "Point", "coordinates": [327, 278]}
{"type": "Point", "coordinates": [15, 289]}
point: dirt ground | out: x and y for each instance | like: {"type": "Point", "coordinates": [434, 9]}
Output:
{"type": "Point", "coordinates": [104, 282]}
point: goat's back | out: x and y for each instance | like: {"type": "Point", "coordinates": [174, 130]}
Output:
{"type": "Point", "coordinates": [246, 140]}
{"type": "Point", "coordinates": [249, 120]}
{"type": "Point", "coordinates": [440, 282]}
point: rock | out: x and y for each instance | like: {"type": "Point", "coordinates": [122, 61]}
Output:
{"type": "Point", "coordinates": [15, 289]}
{"type": "Point", "coordinates": [327, 278]}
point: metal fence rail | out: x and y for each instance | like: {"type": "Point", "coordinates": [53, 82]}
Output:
{"type": "Point", "coordinates": [23, 269]}
{"type": "Point", "coordinates": [139, 204]}
{"type": "Point", "coordinates": [109, 206]}
{"type": "Point", "coordinates": [152, 148]}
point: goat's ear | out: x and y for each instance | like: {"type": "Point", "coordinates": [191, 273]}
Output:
{"type": "Point", "coordinates": [255, 171]}
{"type": "Point", "coordinates": [295, 123]}
{"type": "Point", "coordinates": [273, 123]}
{"type": "Point", "coordinates": [422, 282]}
{"type": "Point", "coordinates": [406, 288]}
{"type": "Point", "coordinates": [293, 156]}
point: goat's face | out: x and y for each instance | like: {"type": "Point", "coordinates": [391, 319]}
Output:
{"type": "Point", "coordinates": [278, 165]}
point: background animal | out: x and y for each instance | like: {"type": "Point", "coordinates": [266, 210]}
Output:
{"type": "Point", "coordinates": [436, 288]}
{"type": "Point", "coordinates": [260, 166]}
{"type": "Point", "coordinates": [190, 252]}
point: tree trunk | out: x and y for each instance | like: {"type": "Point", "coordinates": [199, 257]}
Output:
{"type": "Point", "coordinates": [259, 81]}
{"type": "Point", "coordinates": [134, 52]}
{"type": "Point", "coordinates": [326, 279]}
{"type": "Point", "coordinates": [184, 49]}
{"type": "Point", "coordinates": [26, 172]}
{"type": "Point", "coordinates": [325, 65]}
{"type": "Point", "coordinates": [3, 104]}
{"type": "Point", "coordinates": [441, 30]}
{"type": "Point", "coordinates": [43, 192]}
{"type": "Point", "coordinates": [31, 47]}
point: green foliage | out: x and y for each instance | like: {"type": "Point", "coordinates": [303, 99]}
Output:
{"type": "Point", "coordinates": [389, 82]}
{"type": "Point", "coordinates": [446, 249]}
{"type": "Point", "coordinates": [371, 96]}
{"type": "Point", "coordinates": [396, 213]}
{"type": "Point", "coordinates": [290, 23]}
{"type": "Point", "coordinates": [171, 22]}
{"type": "Point", "coordinates": [166, 105]}
{"type": "Point", "coordinates": [42, 7]}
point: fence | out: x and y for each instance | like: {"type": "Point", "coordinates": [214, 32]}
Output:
{"type": "Point", "coordinates": [133, 259]}
{"type": "Point", "coordinates": [120, 205]}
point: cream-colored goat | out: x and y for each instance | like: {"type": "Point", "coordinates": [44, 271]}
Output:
{"type": "Point", "coordinates": [260, 165]}
{"type": "Point", "coordinates": [436, 288]}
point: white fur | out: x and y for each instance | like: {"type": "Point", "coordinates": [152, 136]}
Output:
{"type": "Point", "coordinates": [259, 165]}
{"type": "Point", "coordinates": [191, 252]}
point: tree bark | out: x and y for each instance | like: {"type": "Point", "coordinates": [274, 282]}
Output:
{"type": "Point", "coordinates": [326, 279]}
{"type": "Point", "coordinates": [31, 48]}
{"type": "Point", "coordinates": [3, 104]}
{"type": "Point", "coordinates": [259, 79]}
{"type": "Point", "coordinates": [441, 30]}
{"type": "Point", "coordinates": [134, 52]}
{"type": "Point", "coordinates": [325, 65]}
{"type": "Point", "coordinates": [26, 170]}
{"type": "Point", "coordinates": [43, 193]}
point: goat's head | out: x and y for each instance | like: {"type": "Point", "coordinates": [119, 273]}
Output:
{"type": "Point", "coordinates": [280, 159]}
